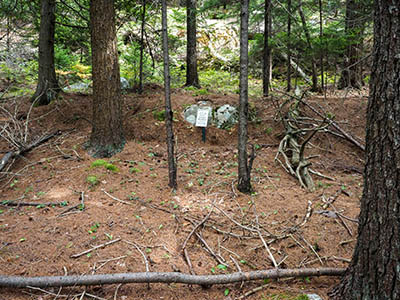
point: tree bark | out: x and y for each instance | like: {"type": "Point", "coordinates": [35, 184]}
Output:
{"type": "Point", "coordinates": [267, 49]}
{"type": "Point", "coordinates": [289, 47]}
{"type": "Point", "coordinates": [192, 77]}
{"type": "Point", "coordinates": [47, 88]}
{"type": "Point", "coordinates": [168, 110]}
{"type": "Point", "coordinates": [107, 136]}
{"type": "Point", "coordinates": [142, 47]}
{"type": "Point", "coordinates": [322, 49]}
{"type": "Point", "coordinates": [314, 77]}
{"type": "Point", "coordinates": [244, 185]}
{"type": "Point", "coordinates": [374, 272]}
{"type": "Point", "coordinates": [351, 75]}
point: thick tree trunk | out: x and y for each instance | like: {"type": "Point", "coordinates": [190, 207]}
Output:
{"type": "Point", "coordinates": [267, 50]}
{"type": "Point", "coordinates": [243, 170]}
{"type": "Point", "coordinates": [374, 272]}
{"type": "Point", "coordinates": [107, 136]}
{"type": "Point", "coordinates": [168, 110]}
{"type": "Point", "coordinates": [351, 75]}
{"type": "Point", "coordinates": [47, 88]}
{"type": "Point", "coordinates": [192, 77]}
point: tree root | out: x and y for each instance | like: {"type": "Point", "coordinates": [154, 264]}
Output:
{"type": "Point", "coordinates": [162, 277]}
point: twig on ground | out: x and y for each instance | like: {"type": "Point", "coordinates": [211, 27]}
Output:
{"type": "Point", "coordinates": [146, 262]}
{"type": "Point", "coordinates": [217, 257]}
{"type": "Point", "coordinates": [116, 291]}
{"type": "Point", "coordinates": [116, 199]}
{"type": "Point", "coordinates": [312, 249]}
{"type": "Point", "coordinates": [80, 206]}
{"type": "Point", "coordinates": [106, 261]}
{"type": "Point", "coordinates": [38, 204]}
{"type": "Point", "coordinates": [262, 238]}
{"type": "Point", "coordinates": [253, 291]}
{"type": "Point", "coordinates": [94, 248]}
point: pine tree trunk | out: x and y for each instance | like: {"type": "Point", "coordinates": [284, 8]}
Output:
{"type": "Point", "coordinates": [107, 136]}
{"type": "Point", "coordinates": [47, 88]}
{"type": "Point", "coordinates": [351, 75]}
{"type": "Point", "coordinates": [374, 272]}
{"type": "Point", "coordinates": [244, 185]}
{"type": "Point", "coordinates": [142, 47]}
{"type": "Point", "coordinates": [314, 87]}
{"type": "Point", "coordinates": [168, 110]}
{"type": "Point", "coordinates": [192, 77]}
{"type": "Point", "coordinates": [289, 47]}
{"type": "Point", "coordinates": [321, 54]}
{"type": "Point", "coordinates": [267, 50]}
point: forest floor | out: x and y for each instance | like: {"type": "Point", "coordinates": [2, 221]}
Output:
{"type": "Point", "coordinates": [134, 203]}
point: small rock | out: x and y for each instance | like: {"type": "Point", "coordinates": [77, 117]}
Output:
{"type": "Point", "coordinates": [124, 83]}
{"type": "Point", "coordinates": [314, 297]}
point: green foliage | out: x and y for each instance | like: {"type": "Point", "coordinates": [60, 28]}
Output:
{"type": "Point", "coordinates": [92, 180]}
{"type": "Point", "coordinates": [159, 115]}
{"type": "Point", "coordinates": [98, 163]}
{"type": "Point", "coordinates": [105, 164]}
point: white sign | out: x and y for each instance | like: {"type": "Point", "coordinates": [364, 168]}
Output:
{"type": "Point", "coordinates": [202, 118]}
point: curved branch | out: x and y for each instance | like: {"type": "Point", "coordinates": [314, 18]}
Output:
{"type": "Point", "coordinates": [162, 277]}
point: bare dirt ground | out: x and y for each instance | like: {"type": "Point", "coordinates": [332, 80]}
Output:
{"type": "Point", "coordinates": [135, 204]}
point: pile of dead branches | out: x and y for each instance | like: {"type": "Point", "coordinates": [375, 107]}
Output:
{"type": "Point", "coordinates": [301, 122]}
{"type": "Point", "coordinates": [15, 130]}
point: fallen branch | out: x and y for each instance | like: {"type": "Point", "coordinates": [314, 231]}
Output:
{"type": "Point", "coordinates": [162, 277]}
{"type": "Point", "coordinates": [94, 248]}
{"type": "Point", "coordinates": [10, 155]}
{"type": "Point", "coordinates": [37, 204]}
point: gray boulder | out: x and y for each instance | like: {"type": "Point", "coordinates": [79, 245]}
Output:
{"type": "Point", "coordinates": [190, 113]}
{"type": "Point", "coordinates": [226, 116]}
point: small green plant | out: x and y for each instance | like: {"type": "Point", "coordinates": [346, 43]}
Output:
{"type": "Point", "coordinates": [134, 170]}
{"type": "Point", "coordinates": [98, 163]}
{"type": "Point", "coordinates": [40, 194]}
{"type": "Point", "coordinates": [159, 115]}
{"type": "Point", "coordinates": [12, 184]}
{"type": "Point", "coordinates": [105, 164]}
{"type": "Point", "coordinates": [94, 228]}
{"type": "Point", "coordinates": [92, 180]}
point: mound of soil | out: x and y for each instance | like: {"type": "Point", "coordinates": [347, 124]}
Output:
{"type": "Point", "coordinates": [132, 201]}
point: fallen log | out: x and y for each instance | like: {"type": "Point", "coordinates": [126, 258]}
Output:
{"type": "Point", "coordinates": [11, 154]}
{"type": "Point", "coordinates": [162, 277]}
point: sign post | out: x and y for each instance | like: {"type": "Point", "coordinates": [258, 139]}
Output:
{"type": "Point", "coordinates": [202, 121]}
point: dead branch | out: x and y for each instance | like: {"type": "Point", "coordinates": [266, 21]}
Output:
{"type": "Point", "coordinates": [22, 150]}
{"type": "Point", "coordinates": [295, 162]}
{"type": "Point", "coordinates": [95, 247]}
{"type": "Point", "coordinates": [17, 203]}
{"type": "Point", "coordinates": [162, 277]}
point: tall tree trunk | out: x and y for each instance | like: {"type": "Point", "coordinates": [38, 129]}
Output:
{"type": "Point", "coordinates": [314, 87]}
{"type": "Point", "coordinates": [107, 136]}
{"type": "Point", "coordinates": [351, 75]}
{"type": "Point", "coordinates": [289, 47]}
{"type": "Point", "coordinates": [267, 50]}
{"type": "Point", "coordinates": [142, 47]}
{"type": "Point", "coordinates": [192, 77]}
{"type": "Point", "coordinates": [374, 271]}
{"type": "Point", "coordinates": [47, 88]}
{"type": "Point", "coordinates": [322, 49]}
{"type": "Point", "coordinates": [168, 110]}
{"type": "Point", "coordinates": [244, 185]}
